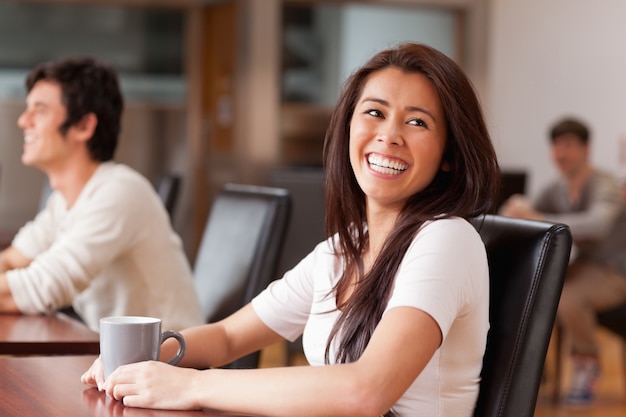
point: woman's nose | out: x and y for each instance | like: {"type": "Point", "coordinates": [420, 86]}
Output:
{"type": "Point", "coordinates": [391, 135]}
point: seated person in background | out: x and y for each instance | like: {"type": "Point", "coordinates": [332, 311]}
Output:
{"type": "Point", "coordinates": [590, 202]}
{"type": "Point", "coordinates": [104, 243]}
{"type": "Point", "coordinates": [400, 328]}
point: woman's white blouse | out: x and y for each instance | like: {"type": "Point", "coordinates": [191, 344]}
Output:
{"type": "Point", "coordinates": [444, 273]}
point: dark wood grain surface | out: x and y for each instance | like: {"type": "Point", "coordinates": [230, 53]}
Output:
{"type": "Point", "coordinates": [50, 386]}
{"type": "Point", "coordinates": [57, 334]}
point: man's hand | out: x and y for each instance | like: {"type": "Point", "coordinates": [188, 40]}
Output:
{"type": "Point", "coordinates": [518, 206]}
{"type": "Point", "coordinates": [10, 258]}
{"type": "Point", "coordinates": [7, 303]}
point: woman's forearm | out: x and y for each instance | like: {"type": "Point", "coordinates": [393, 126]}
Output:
{"type": "Point", "coordinates": [338, 390]}
{"type": "Point", "coordinates": [211, 345]}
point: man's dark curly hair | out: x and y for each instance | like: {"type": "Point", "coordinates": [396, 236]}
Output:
{"type": "Point", "coordinates": [87, 86]}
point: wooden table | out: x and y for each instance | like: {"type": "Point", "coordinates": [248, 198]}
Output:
{"type": "Point", "coordinates": [50, 386]}
{"type": "Point", "coordinates": [57, 334]}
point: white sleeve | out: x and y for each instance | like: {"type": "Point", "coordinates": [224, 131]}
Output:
{"type": "Point", "coordinates": [285, 305]}
{"type": "Point", "coordinates": [37, 235]}
{"type": "Point", "coordinates": [444, 272]}
{"type": "Point", "coordinates": [87, 239]}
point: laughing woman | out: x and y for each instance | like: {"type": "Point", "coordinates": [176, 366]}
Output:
{"type": "Point", "coordinates": [393, 307]}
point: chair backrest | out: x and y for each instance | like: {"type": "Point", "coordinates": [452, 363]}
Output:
{"type": "Point", "coordinates": [239, 251]}
{"type": "Point", "coordinates": [527, 264]}
{"type": "Point", "coordinates": [306, 223]}
{"type": "Point", "coordinates": [168, 186]}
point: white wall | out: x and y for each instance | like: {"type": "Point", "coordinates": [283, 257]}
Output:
{"type": "Point", "coordinates": [552, 58]}
{"type": "Point", "coordinates": [20, 186]}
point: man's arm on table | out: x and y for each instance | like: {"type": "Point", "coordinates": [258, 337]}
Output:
{"type": "Point", "coordinates": [10, 258]}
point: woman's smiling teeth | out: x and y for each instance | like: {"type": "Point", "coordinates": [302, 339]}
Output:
{"type": "Point", "coordinates": [29, 138]}
{"type": "Point", "coordinates": [386, 165]}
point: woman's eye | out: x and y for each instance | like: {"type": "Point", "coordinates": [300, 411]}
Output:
{"type": "Point", "coordinates": [418, 122]}
{"type": "Point", "coordinates": [374, 112]}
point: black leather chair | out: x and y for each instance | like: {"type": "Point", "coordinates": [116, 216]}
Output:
{"type": "Point", "coordinates": [239, 251]}
{"type": "Point", "coordinates": [168, 186]}
{"type": "Point", "coordinates": [306, 225]}
{"type": "Point", "coordinates": [527, 264]}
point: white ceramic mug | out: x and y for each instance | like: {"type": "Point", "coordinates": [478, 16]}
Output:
{"type": "Point", "coordinates": [129, 339]}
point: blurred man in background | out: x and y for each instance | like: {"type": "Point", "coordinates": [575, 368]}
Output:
{"type": "Point", "coordinates": [591, 203]}
{"type": "Point", "coordinates": [104, 244]}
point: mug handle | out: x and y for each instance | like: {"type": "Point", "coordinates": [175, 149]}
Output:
{"type": "Point", "coordinates": [182, 346]}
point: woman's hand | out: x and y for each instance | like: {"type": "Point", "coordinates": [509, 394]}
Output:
{"type": "Point", "coordinates": [153, 384]}
{"type": "Point", "coordinates": [94, 376]}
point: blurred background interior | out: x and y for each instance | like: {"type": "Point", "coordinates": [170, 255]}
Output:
{"type": "Point", "coordinates": [241, 90]}
{"type": "Point", "coordinates": [216, 91]}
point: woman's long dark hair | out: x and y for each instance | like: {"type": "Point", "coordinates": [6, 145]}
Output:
{"type": "Point", "coordinates": [468, 189]}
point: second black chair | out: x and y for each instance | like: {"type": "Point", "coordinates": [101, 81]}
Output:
{"type": "Point", "coordinates": [167, 187]}
{"type": "Point", "coordinates": [239, 252]}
